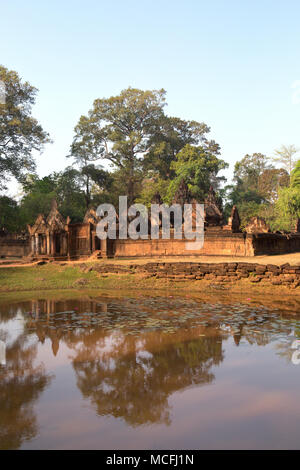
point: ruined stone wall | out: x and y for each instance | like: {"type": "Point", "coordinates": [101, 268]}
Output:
{"type": "Point", "coordinates": [215, 243]}
{"type": "Point", "coordinates": [79, 239]}
{"type": "Point", "coordinates": [217, 272]}
{"type": "Point", "coordinates": [274, 243]}
{"type": "Point", "coordinates": [13, 247]}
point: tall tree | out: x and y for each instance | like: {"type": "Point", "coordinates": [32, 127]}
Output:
{"type": "Point", "coordinates": [249, 190]}
{"type": "Point", "coordinates": [270, 181]}
{"type": "Point", "coordinates": [286, 156]}
{"type": "Point", "coordinates": [248, 170]}
{"type": "Point", "coordinates": [172, 135]}
{"type": "Point", "coordinates": [93, 176]}
{"type": "Point", "coordinates": [199, 168]}
{"type": "Point", "coordinates": [87, 147]}
{"type": "Point", "coordinates": [120, 129]}
{"type": "Point", "coordinates": [20, 133]}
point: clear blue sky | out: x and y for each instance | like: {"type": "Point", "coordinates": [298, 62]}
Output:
{"type": "Point", "coordinates": [228, 63]}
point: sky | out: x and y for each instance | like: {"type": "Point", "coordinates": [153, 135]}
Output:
{"type": "Point", "coordinates": [231, 64]}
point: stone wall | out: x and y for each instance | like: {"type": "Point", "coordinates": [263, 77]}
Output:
{"type": "Point", "coordinates": [79, 240]}
{"type": "Point", "coordinates": [13, 247]}
{"type": "Point", "coordinates": [216, 242]}
{"type": "Point", "coordinates": [274, 243]}
{"type": "Point", "coordinates": [218, 272]}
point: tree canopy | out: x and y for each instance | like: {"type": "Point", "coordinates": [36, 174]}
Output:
{"type": "Point", "coordinates": [198, 167]}
{"type": "Point", "coordinates": [295, 180]}
{"type": "Point", "coordinates": [128, 145]}
{"type": "Point", "coordinates": [286, 157]}
{"type": "Point", "coordinates": [20, 132]}
{"type": "Point", "coordinates": [256, 186]}
{"type": "Point", "coordinates": [132, 132]}
{"type": "Point", "coordinates": [120, 130]}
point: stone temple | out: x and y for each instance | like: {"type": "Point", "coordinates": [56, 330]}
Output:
{"type": "Point", "coordinates": [49, 236]}
{"type": "Point", "coordinates": [54, 237]}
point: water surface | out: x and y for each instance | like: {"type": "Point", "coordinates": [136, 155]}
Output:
{"type": "Point", "coordinates": [147, 372]}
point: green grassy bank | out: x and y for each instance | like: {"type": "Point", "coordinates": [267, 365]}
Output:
{"type": "Point", "coordinates": [52, 277]}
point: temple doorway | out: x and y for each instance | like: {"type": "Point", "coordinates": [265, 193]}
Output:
{"type": "Point", "coordinates": [57, 243]}
{"type": "Point", "coordinates": [41, 244]}
{"type": "Point", "coordinates": [97, 243]}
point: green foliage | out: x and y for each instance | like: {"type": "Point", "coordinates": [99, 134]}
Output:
{"type": "Point", "coordinates": [65, 187]}
{"type": "Point", "coordinates": [245, 193]}
{"type": "Point", "coordinates": [198, 167]}
{"type": "Point", "coordinates": [248, 209]}
{"type": "Point", "coordinates": [149, 153]}
{"type": "Point", "coordinates": [20, 133]}
{"type": "Point", "coordinates": [119, 129]}
{"type": "Point", "coordinates": [132, 132]}
{"type": "Point", "coordinates": [256, 187]}
{"type": "Point", "coordinates": [287, 208]}
{"type": "Point", "coordinates": [34, 204]}
{"type": "Point", "coordinates": [34, 184]}
{"type": "Point", "coordinates": [9, 214]}
{"type": "Point", "coordinates": [170, 137]}
{"type": "Point", "coordinates": [270, 181]}
{"type": "Point", "coordinates": [150, 188]}
{"type": "Point", "coordinates": [295, 179]}
{"type": "Point", "coordinates": [70, 195]}
{"type": "Point", "coordinates": [249, 169]}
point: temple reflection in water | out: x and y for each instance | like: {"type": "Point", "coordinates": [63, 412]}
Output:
{"type": "Point", "coordinates": [129, 356]}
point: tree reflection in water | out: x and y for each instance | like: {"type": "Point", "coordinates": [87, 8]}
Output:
{"type": "Point", "coordinates": [136, 379]}
{"type": "Point", "coordinates": [125, 361]}
{"type": "Point", "coordinates": [22, 381]}
{"type": "Point", "coordinates": [130, 377]}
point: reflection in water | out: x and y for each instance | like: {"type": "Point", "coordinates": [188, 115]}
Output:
{"type": "Point", "coordinates": [128, 356]}
{"type": "Point", "coordinates": [135, 385]}
{"type": "Point", "coordinates": [129, 377]}
{"type": "Point", "coordinates": [22, 381]}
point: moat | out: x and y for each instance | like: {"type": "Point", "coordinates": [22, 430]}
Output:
{"type": "Point", "coordinates": [141, 371]}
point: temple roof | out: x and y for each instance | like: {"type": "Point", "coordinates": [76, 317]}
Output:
{"type": "Point", "coordinates": [91, 217]}
{"type": "Point", "coordinates": [55, 222]}
{"type": "Point", "coordinates": [213, 213]}
{"type": "Point", "coordinates": [182, 195]}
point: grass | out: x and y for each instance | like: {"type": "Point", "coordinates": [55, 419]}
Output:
{"type": "Point", "coordinates": [54, 277]}
{"type": "Point", "coordinates": [48, 276]}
